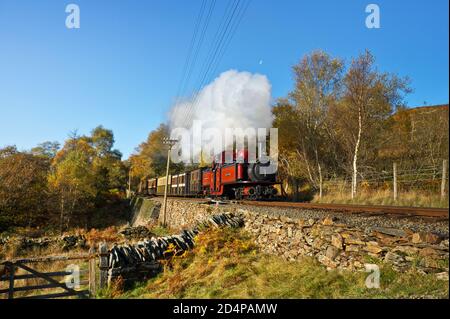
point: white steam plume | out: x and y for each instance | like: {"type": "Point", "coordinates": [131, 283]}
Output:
{"type": "Point", "coordinates": [233, 100]}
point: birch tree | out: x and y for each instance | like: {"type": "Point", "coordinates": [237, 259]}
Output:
{"type": "Point", "coordinates": [370, 97]}
{"type": "Point", "coordinates": [318, 86]}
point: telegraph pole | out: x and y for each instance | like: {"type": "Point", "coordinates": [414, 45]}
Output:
{"type": "Point", "coordinates": [171, 143]}
{"type": "Point", "coordinates": [129, 183]}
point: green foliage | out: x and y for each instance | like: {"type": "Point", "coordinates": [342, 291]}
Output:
{"type": "Point", "coordinates": [46, 149]}
{"type": "Point", "coordinates": [103, 141]}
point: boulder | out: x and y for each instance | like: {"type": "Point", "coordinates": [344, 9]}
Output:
{"type": "Point", "coordinates": [289, 232]}
{"type": "Point", "coordinates": [332, 252]}
{"type": "Point", "coordinates": [394, 258]}
{"type": "Point", "coordinates": [311, 222]}
{"type": "Point", "coordinates": [317, 243]}
{"type": "Point", "coordinates": [352, 248]}
{"type": "Point", "coordinates": [407, 250]}
{"type": "Point", "coordinates": [390, 231]}
{"type": "Point", "coordinates": [428, 251]}
{"type": "Point", "coordinates": [373, 247]}
{"type": "Point", "coordinates": [422, 237]}
{"type": "Point", "coordinates": [139, 232]}
{"type": "Point", "coordinates": [328, 221]}
{"type": "Point", "coordinates": [354, 241]}
{"type": "Point", "coordinates": [337, 241]}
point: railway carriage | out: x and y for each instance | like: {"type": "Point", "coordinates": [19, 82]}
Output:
{"type": "Point", "coordinates": [152, 185]}
{"type": "Point", "coordinates": [180, 185]}
{"type": "Point", "coordinates": [195, 183]}
{"type": "Point", "coordinates": [161, 184]}
{"type": "Point", "coordinates": [239, 180]}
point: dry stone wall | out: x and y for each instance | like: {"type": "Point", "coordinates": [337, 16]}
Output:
{"type": "Point", "coordinates": [141, 260]}
{"type": "Point", "coordinates": [334, 241]}
{"type": "Point", "coordinates": [67, 242]}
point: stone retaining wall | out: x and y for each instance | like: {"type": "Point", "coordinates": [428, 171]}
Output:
{"type": "Point", "coordinates": [333, 243]}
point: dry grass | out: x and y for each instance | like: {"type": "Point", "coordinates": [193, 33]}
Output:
{"type": "Point", "coordinates": [385, 197]}
{"type": "Point", "coordinates": [226, 264]}
{"type": "Point", "coordinates": [108, 235]}
{"type": "Point", "coordinates": [13, 250]}
{"type": "Point", "coordinates": [55, 266]}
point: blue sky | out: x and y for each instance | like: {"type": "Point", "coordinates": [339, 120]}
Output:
{"type": "Point", "coordinates": [122, 68]}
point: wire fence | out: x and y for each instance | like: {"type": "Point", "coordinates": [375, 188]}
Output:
{"type": "Point", "coordinates": [430, 179]}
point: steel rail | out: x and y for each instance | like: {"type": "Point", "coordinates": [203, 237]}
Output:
{"type": "Point", "coordinates": [373, 209]}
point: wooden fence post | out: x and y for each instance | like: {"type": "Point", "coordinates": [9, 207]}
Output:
{"type": "Point", "coordinates": [103, 265]}
{"type": "Point", "coordinates": [12, 270]}
{"type": "Point", "coordinates": [444, 178]}
{"type": "Point", "coordinates": [395, 181]}
{"type": "Point", "coordinates": [92, 272]}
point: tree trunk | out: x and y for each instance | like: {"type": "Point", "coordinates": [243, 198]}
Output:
{"type": "Point", "coordinates": [305, 159]}
{"type": "Point", "coordinates": [61, 216]}
{"type": "Point", "coordinates": [355, 155]}
{"type": "Point", "coordinates": [320, 181]}
{"type": "Point", "coordinates": [295, 189]}
{"type": "Point", "coordinates": [285, 187]}
{"type": "Point", "coordinates": [319, 168]}
{"type": "Point", "coordinates": [129, 184]}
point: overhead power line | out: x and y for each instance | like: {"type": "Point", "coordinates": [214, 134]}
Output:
{"type": "Point", "coordinates": [231, 20]}
{"type": "Point", "coordinates": [219, 31]}
{"type": "Point", "coordinates": [191, 48]}
{"type": "Point", "coordinates": [195, 45]}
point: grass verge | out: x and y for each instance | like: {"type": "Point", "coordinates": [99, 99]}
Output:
{"type": "Point", "coordinates": [226, 264]}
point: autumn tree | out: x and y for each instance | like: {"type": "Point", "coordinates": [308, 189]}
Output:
{"type": "Point", "coordinates": [23, 188]}
{"type": "Point", "coordinates": [286, 120]}
{"type": "Point", "coordinates": [370, 97]}
{"type": "Point", "coordinates": [46, 149]}
{"type": "Point", "coordinates": [417, 138]}
{"type": "Point", "coordinates": [150, 158]}
{"type": "Point", "coordinates": [83, 173]}
{"type": "Point", "coordinates": [73, 180]}
{"type": "Point", "coordinates": [305, 130]}
{"type": "Point", "coordinates": [335, 118]}
{"type": "Point", "coordinates": [317, 88]}
{"type": "Point", "coordinates": [109, 170]}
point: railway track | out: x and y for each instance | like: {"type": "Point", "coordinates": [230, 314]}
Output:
{"type": "Point", "coordinates": [435, 213]}
{"type": "Point", "coordinates": [372, 210]}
